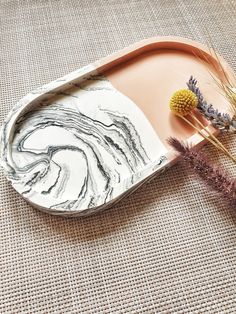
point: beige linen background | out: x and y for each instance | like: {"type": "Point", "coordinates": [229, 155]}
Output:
{"type": "Point", "coordinates": [169, 247]}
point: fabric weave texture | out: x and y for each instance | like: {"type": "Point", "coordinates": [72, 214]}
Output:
{"type": "Point", "coordinates": [167, 248]}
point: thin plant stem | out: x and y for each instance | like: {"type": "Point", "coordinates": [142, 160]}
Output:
{"type": "Point", "coordinates": [200, 132]}
{"type": "Point", "coordinates": [212, 136]}
{"type": "Point", "coordinates": [225, 83]}
{"type": "Point", "coordinates": [209, 139]}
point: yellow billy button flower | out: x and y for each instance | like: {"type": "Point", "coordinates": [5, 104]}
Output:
{"type": "Point", "coordinates": [183, 102]}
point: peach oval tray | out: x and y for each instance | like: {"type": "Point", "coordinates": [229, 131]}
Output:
{"type": "Point", "coordinates": [84, 141]}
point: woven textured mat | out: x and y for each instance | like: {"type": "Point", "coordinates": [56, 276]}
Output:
{"type": "Point", "coordinates": [169, 247]}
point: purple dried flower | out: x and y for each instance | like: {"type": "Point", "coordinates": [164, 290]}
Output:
{"type": "Point", "coordinates": [213, 176]}
{"type": "Point", "coordinates": [221, 121]}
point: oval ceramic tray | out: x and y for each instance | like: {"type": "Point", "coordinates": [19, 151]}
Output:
{"type": "Point", "coordinates": [84, 141]}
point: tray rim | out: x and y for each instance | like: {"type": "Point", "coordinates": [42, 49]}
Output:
{"type": "Point", "coordinates": [158, 42]}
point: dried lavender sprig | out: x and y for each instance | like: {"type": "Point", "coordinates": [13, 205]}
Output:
{"type": "Point", "coordinates": [213, 176]}
{"type": "Point", "coordinates": [221, 121]}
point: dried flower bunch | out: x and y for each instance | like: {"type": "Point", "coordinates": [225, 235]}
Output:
{"type": "Point", "coordinates": [213, 176]}
{"type": "Point", "coordinates": [224, 81]}
{"type": "Point", "coordinates": [182, 103]}
{"type": "Point", "coordinates": [222, 121]}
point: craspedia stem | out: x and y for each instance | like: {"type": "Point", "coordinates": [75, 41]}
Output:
{"type": "Point", "coordinates": [214, 138]}
{"type": "Point", "coordinates": [209, 139]}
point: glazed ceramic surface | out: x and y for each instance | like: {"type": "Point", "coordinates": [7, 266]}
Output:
{"type": "Point", "coordinates": [79, 144]}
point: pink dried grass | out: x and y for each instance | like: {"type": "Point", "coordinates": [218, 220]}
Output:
{"type": "Point", "coordinates": [213, 175]}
